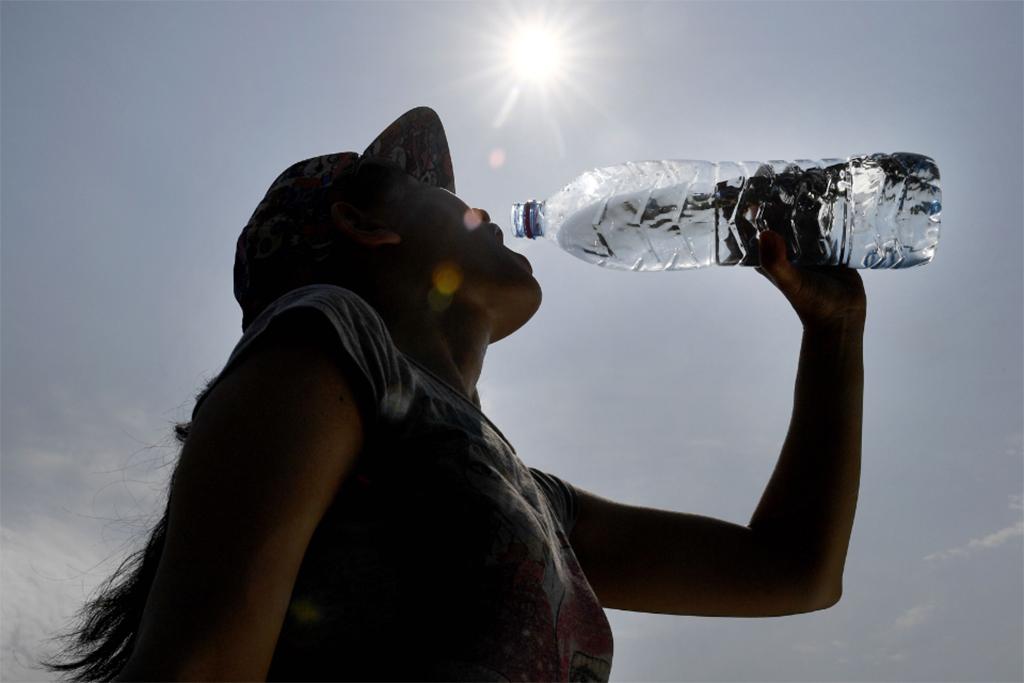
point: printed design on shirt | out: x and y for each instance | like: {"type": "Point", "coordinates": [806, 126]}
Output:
{"type": "Point", "coordinates": [482, 567]}
{"type": "Point", "coordinates": [499, 553]}
{"type": "Point", "coordinates": [583, 626]}
{"type": "Point", "coordinates": [518, 555]}
{"type": "Point", "coordinates": [586, 668]}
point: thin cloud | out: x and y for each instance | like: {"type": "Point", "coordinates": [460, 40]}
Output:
{"type": "Point", "coordinates": [992, 540]}
{"type": "Point", "coordinates": [915, 616]}
{"type": "Point", "coordinates": [49, 567]}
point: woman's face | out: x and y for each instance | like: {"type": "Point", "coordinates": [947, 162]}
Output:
{"type": "Point", "coordinates": [454, 252]}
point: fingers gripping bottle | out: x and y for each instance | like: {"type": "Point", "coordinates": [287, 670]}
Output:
{"type": "Point", "coordinates": [873, 211]}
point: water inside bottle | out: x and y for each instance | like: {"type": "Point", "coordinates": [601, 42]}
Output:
{"type": "Point", "coordinates": [880, 211]}
{"type": "Point", "coordinates": [643, 231]}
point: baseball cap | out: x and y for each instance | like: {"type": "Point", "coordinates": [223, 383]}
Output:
{"type": "Point", "coordinates": [293, 224]}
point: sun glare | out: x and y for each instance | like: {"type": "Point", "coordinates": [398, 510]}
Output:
{"type": "Point", "coordinates": [535, 54]}
{"type": "Point", "coordinates": [537, 63]}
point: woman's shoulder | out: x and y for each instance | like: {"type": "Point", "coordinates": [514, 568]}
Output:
{"type": "Point", "coordinates": [342, 298]}
{"type": "Point", "coordinates": [333, 317]}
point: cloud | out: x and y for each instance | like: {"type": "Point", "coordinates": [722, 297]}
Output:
{"type": "Point", "coordinates": [992, 540]}
{"type": "Point", "coordinates": [83, 482]}
{"type": "Point", "coordinates": [915, 616]}
{"type": "Point", "coordinates": [48, 569]}
{"type": "Point", "coordinates": [50, 565]}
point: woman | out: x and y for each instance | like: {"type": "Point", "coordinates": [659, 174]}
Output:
{"type": "Point", "coordinates": [343, 510]}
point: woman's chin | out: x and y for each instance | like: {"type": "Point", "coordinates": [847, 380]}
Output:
{"type": "Point", "coordinates": [518, 304]}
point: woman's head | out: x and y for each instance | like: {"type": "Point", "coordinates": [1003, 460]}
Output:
{"type": "Point", "coordinates": [289, 242]}
{"type": "Point", "coordinates": [416, 244]}
{"type": "Point", "coordinates": [387, 236]}
{"type": "Point", "coordinates": [288, 237]}
{"type": "Point", "coordinates": [385, 224]}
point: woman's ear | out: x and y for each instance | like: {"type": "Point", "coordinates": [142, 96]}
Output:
{"type": "Point", "coordinates": [360, 228]}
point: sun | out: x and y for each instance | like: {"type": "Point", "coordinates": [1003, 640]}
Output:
{"type": "Point", "coordinates": [535, 63]}
{"type": "Point", "coordinates": [535, 54]}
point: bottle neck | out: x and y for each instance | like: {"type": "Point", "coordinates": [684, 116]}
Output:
{"type": "Point", "coordinates": [528, 219]}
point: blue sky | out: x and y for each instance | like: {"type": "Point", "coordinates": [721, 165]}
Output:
{"type": "Point", "coordinates": [137, 139]}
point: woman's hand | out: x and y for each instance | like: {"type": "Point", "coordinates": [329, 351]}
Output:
{"type": "Point", "coordinates": [822, 296]}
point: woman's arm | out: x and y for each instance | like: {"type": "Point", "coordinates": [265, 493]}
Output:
{"type": "Point", "coordinates": [267, 454]}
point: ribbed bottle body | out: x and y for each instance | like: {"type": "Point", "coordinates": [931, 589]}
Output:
{"type": "Point", "coordinates": [874, 211]}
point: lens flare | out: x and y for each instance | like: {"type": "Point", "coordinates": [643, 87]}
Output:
{"type": "Point", "coordinates": [437, 301]}
{"type": "Point", "coordinates": [447, 278]}
{"type": "Point", "coordinates": [496, 159]}
{"type": "Point", "coordinates": [304, 611]}
{"type": "Point", "coordinates": [472, 219]}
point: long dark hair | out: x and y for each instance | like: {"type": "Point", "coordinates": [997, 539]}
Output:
{"type": "Point", "coordinates": [106, 627]}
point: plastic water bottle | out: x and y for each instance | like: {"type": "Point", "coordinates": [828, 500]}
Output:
{"type": "Point", "coordinates": [873, 211]}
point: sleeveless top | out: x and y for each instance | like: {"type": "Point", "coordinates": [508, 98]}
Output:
{"type": "Point", "coordinates": [443, 556]}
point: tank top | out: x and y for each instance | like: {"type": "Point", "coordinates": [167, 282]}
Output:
{"type": "Point", "coordinates": [443, 556]}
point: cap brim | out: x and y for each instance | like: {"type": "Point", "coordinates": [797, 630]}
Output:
{"type": "Point", "coordinates": [416, 142]}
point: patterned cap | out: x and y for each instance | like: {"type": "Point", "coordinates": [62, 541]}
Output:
{"type": "Point", "coordinates": [292, 224]}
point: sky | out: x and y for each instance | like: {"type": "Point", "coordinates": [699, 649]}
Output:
{"type": "Point", "coordinates": [137, 139]}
